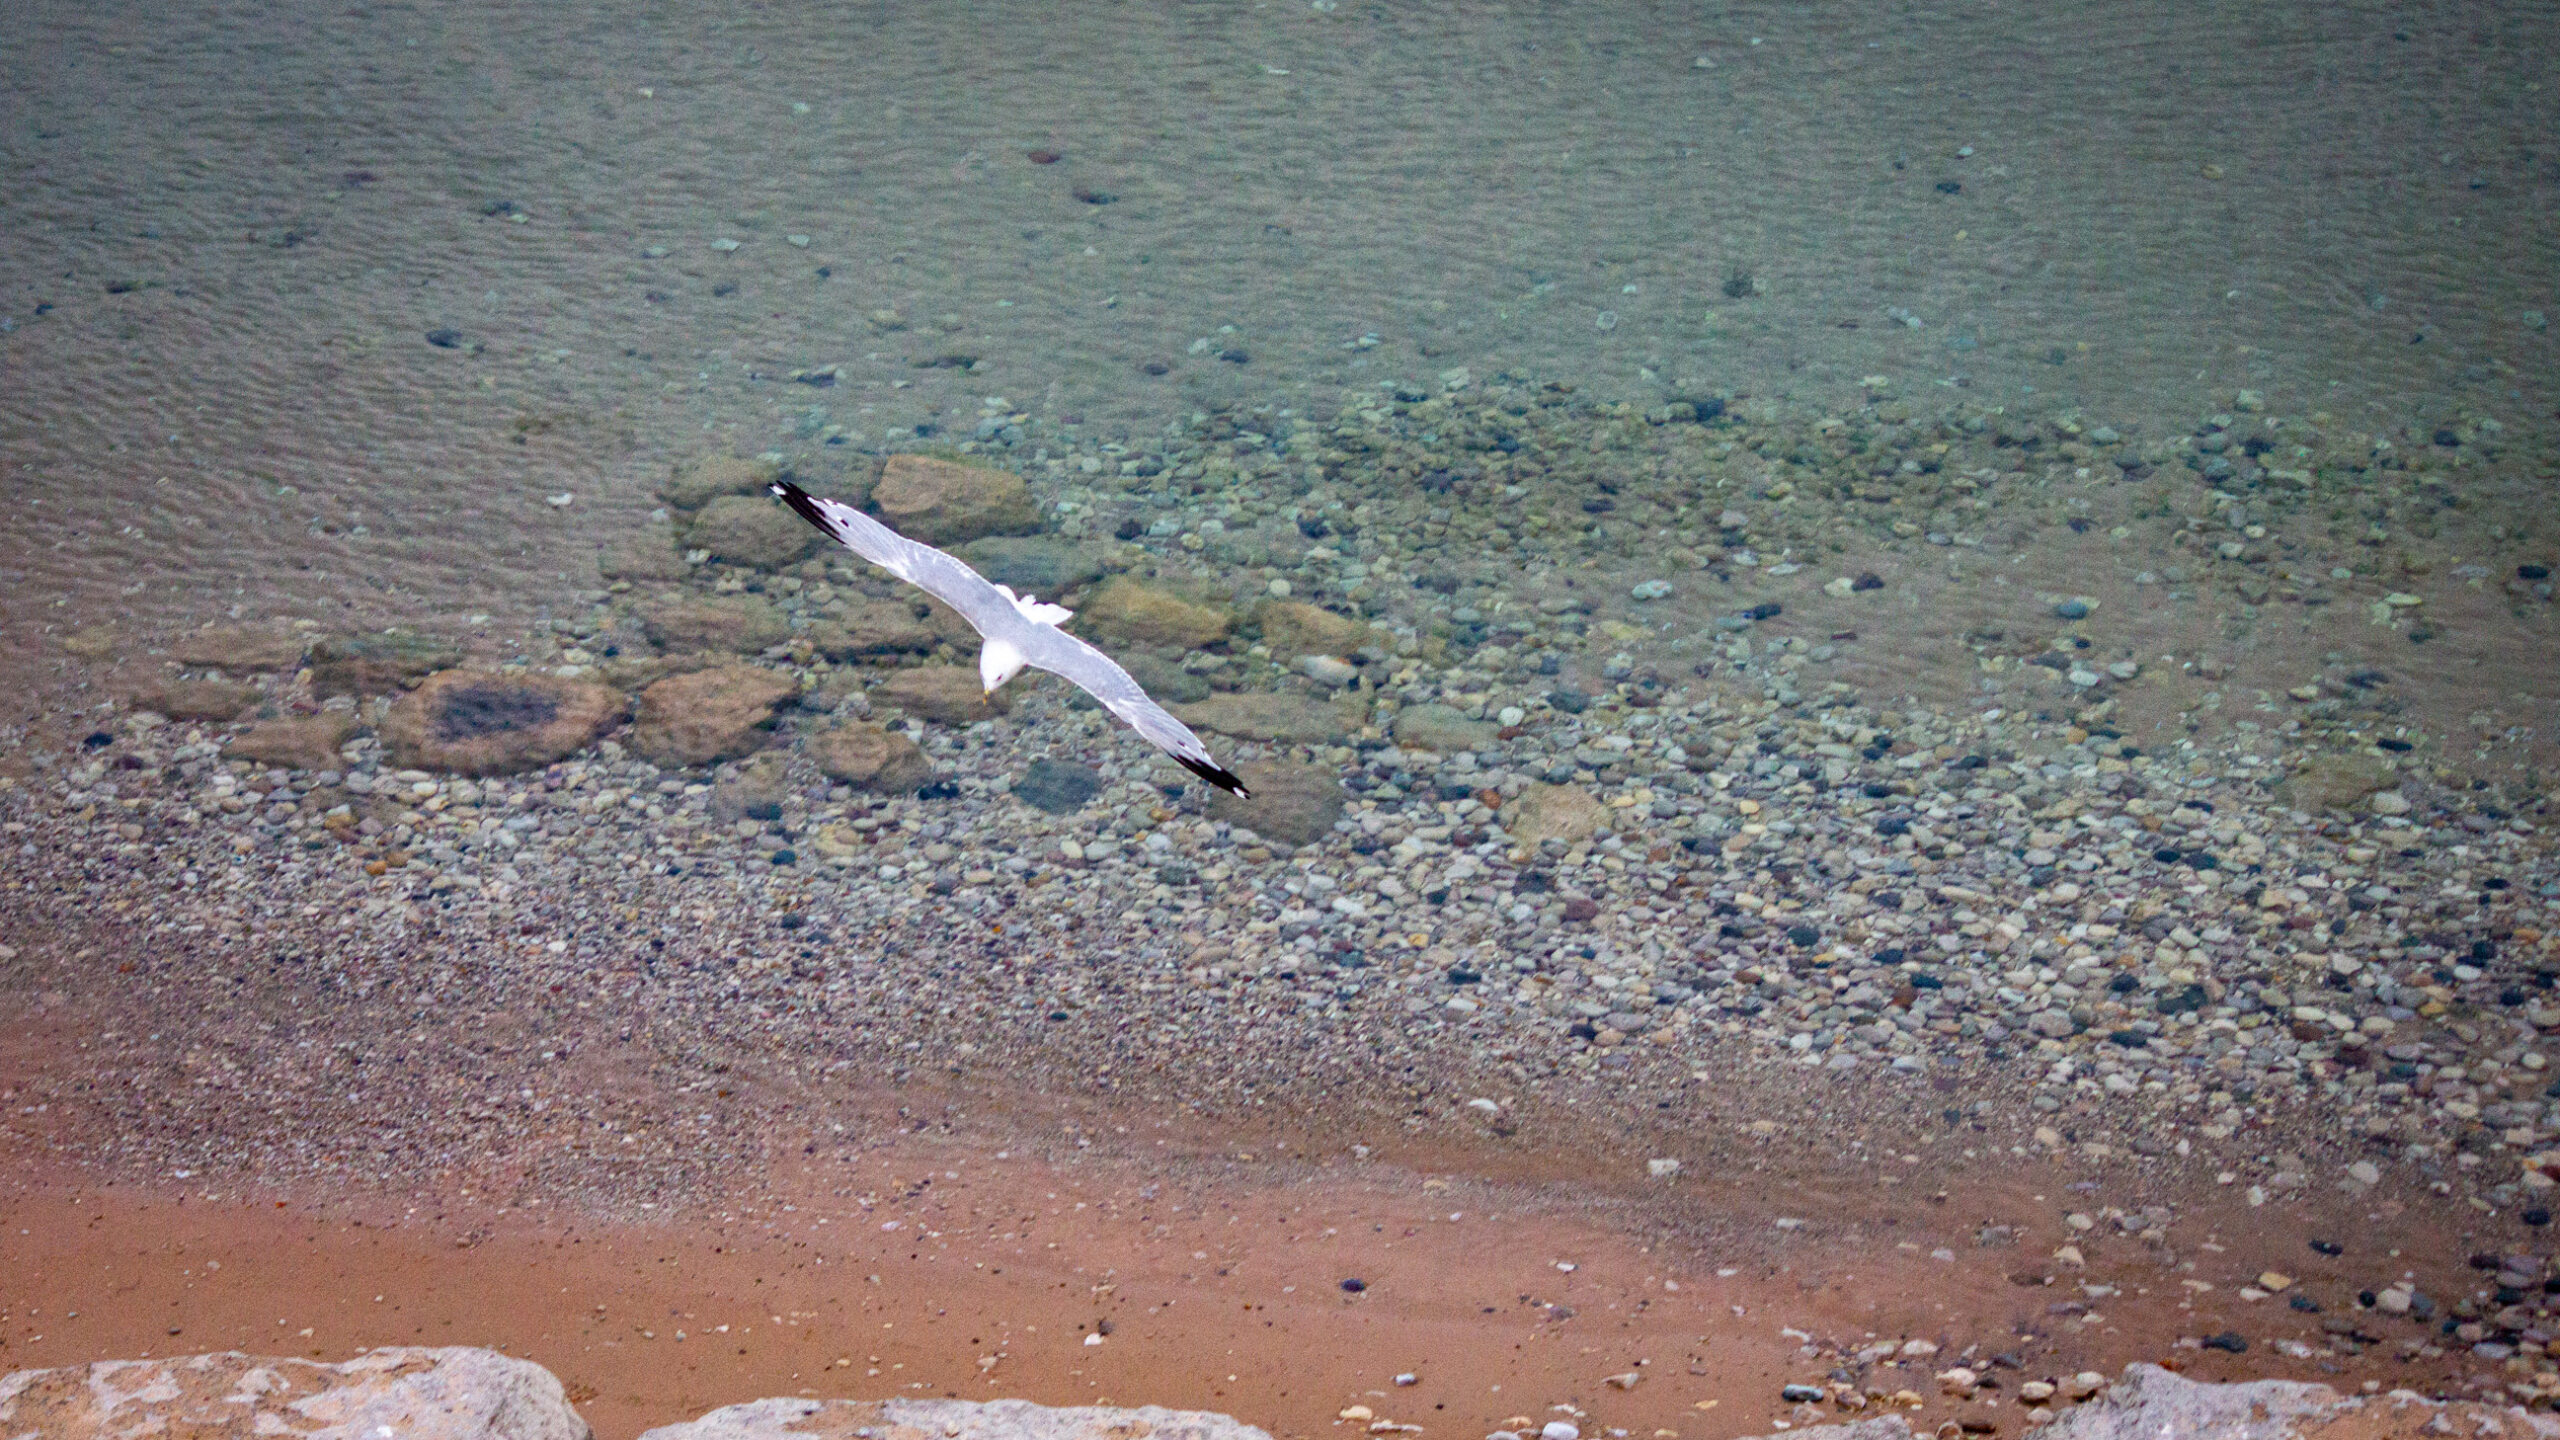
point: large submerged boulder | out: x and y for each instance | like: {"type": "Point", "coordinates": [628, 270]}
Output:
{"type": "Point", "coordinates": [753, 530]}
{"type": "Point", "coordinates": [484, 722]}
{"type": "Point", "coordinates": [708, 716]}
{"type": "Point", "coordinates": [382, 664]}
{"type": "Point", "coordinates": [943, 502]}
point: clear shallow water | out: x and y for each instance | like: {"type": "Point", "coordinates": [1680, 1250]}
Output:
{"type": "Point", "coordinates": [228, 231]}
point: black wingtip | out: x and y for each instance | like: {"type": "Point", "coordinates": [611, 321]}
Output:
{"type": "Point", "coordinates": [1222, 778]}
{"type": "Point", "coordinates": [800, 500]}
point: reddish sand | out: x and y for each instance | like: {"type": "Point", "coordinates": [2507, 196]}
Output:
{"type": "Point", "coordinates": [926, 1267]}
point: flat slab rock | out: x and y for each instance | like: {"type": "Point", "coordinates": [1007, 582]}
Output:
{"type": "Point", "coordinates": [950, 1420]}
{"type": "Point", "coordinates": [2150, 1403]}
{"type": "Point", "coordinates": [412, 1392]}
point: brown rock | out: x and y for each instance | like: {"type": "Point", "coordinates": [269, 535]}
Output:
{"type": "Point", "coordinates": [707, 716]}
{"type": "Point", "coordinates": [378, 664]}
{"type": "Point", "coordinates": [90, 642]}
{"type": "Point", "coordinates": [2334, 782]}
{"type": "Point", "coordinates": [752, 530]}
{"type": "Point", "coordinates": [869, 757]}
{"type": "Point", "coordinates": [649, 555]}
{"type": "Point", "coordinates": [478, 722]}
{"type": "Point", "coordinates": [1553, 812]}
{"type": "Point", "coordinates": [412, 1392]}
{"type": "Point", "coordinates": [240, 647]}
{"type": "Point", "coordinates": [1444, 729]}
{"type": "Point", "coordinates": [1265, 715]}
{"type": "Point", "coordinates": [296, 742]}
{"type": "Point", "coordinates": [872, 627]}
{"type": "Point", "coordinates": [1293, 628]}
{"type": "Point", "coordinates": [1291, 803]}
{"type": "Point", "coordinates": [197, 699]}
{"type": "Point", "coordinates": [1042, 565]}
{"type": "Point", "coordinates": [754, 792]}
{"type": "Point", "coordinates": [632, 674]}
{"type": "Point", "coordinates": [738, 625]}
{"type": "Point", "coordinates": [945, 694]}
{"type": "Point", "coordinates": [697, 483]}
{"type": "Point", "coordinates": [942, 502]}
{"type": "Point", "coordinates": [1127, 610]}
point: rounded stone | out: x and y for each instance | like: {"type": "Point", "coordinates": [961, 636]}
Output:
{"type": "Point", "coordinates": [870, 757]}
{"type": "Point", "coordinates": [482, 722]}
{"type": "Point", "coordinates": [752, 530]}
{"type": "Point", "coordinates": [943, 502]}
{"type": "Point", "coordinates": [944, 694]}
{"type": "Point", "coordinates": [707, 716]}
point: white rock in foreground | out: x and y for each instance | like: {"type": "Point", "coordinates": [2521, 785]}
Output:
{"type": "Point", "coordinates": [950, 1420]}
{"type": "Point", "coordinates": [412, 1392]}
{"type": "Point", "coordinates": [2150, 1403]}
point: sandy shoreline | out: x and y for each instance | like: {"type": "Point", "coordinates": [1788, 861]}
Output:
{"type": "Point", "coordinates": [918, 1258]}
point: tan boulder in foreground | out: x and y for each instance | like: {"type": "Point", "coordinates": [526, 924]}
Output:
{"type": "Point", "coordinates": [409, 1391]}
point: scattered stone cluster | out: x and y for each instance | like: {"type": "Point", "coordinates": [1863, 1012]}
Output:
{"type": "Point", "coordinates": [1498, 828]}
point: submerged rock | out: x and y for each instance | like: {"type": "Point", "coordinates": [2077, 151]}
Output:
{"type": "Point", "coordinates": [872, 627]}
{"type": "Point", "coordinates": [1125, 609]}
{"type": "Point", "coordinates": [1293, 628]}
{"type": "Point", "coordinates": [945, 694]}
{"type": "Point", "coordinates": [707, 716]}
{"type": "Point", "coordinates": [240, 647]}
{"type": "Point", "coordinates": [1036, 564]}
{"type": "Point", "coordinates": [1291, 803]}
{"type": "Point", "coordinates": [481, 722]}
{"type": "Point", "coordinates": [1268, 715]}
{"type": "Point", "coordinates": [943, 502]}
{"type": "Point", "coordinates": [870, 757]}
{"type": "Point", "coordinates": [378, 664]}
{"type": "Point", "coordinates": [650, 555]}
{"type": "Point", "coordinates": [1057, 786]}
{"type": "Point", "coordinates": [1441, 728]}
{"type": "Point", "coordinates": [296, 742]}
{"type": "Point", "coordinates": [740, 625]}
{"type": "Point", "coordinates": [197, 699]}
{"type": "Point", "coordinates": [2333, 781]}
{"type": "Point", "coordinates": [1553, 812]}
{"type": "Point", "coordinates": [697, 483]}
{"type": "Point", "coordinates": [752, 530]}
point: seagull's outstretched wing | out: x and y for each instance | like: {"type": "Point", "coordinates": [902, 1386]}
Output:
{"type": "Point", "coordinates": [945, 577]}
{"type": "Point", "coordinates": [1021, 622]}
{"type": "Point", "coordinates": [1099, 676]}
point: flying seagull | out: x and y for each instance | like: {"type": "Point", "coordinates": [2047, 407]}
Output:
{"type": "Point", "coordinates": [1017, 629]}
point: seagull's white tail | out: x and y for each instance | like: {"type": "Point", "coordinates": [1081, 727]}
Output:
{"type": "Point", "coordinates": [1037, 609]}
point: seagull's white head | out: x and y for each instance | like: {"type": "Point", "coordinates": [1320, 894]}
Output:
{"type": "Point", "coordinates": [999, 662]}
